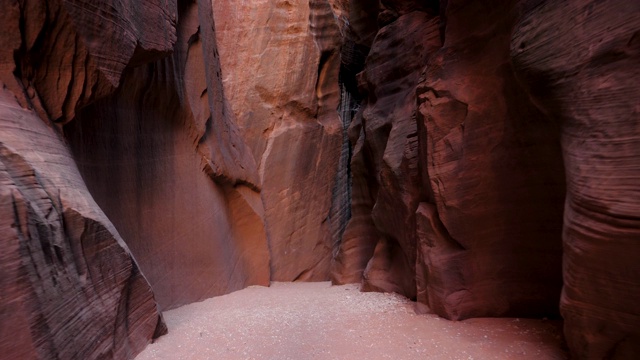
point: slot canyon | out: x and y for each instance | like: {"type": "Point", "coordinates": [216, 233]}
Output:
{"type": "Point", "coordinates": [458, 161]}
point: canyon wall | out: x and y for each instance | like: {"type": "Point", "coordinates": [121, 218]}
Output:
{"type": "Point", "coordinates": [472, 169]}
{"type": "Point", "coordinates": [280, 61]}
{"type": "Point", "coordinates": [165, 161]}
{"type": "Point", "coordinates": [113, 116]}
{"type": "Point", "coordinates": [70, 286]}
{"type": "Point", "coordinates": [479, 157]}
{"type": "Point", "coordinates": [212, 185]}
{"type": "Point", "coordinates": [471, 116]}
{"type": "Point", "coordinates": [586, 77]}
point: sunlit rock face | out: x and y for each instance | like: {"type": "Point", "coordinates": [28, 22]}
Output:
{"type": "Point", "coordinates": [280, 61]}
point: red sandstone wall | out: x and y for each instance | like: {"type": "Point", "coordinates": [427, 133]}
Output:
{"type": "Point", "coordinates": [70, 286]}
{"type": "Point", "coordinates": [164, 159]}
{"type": "Point", "coordinates": [581, 62]}
{"type": "Point", "coordinates": [280, 62]}
{"type": "Point", "coordinates": [461, 144]}
{"type": "Point", "coordinates": [192, 148]}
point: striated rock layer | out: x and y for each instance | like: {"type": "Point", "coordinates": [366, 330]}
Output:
{"type": "Point", "coordinates": [457, 176]}
{"type": "Point", "coordinates": [480, 157]}
{"type": "Point", "coordinates": [70, 288]}
{"type": "Point", "coordinates": [127, 98]}
{"type": "Point", "coordinates": [586, 77]}
{"type": "Point", "coordinates": [493, 169]}
{"type": "Point", "coordinates": [470, 115]}
{"type": "Point", "coordinates": [386, 146]}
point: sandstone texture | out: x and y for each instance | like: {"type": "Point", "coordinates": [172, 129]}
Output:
{"type": "Point", "coordinates": [481, 158]}
{"type": "Point", "coordinates": [471, 169]}
{"type": "Point", "coordinates": [280, 61]}
{"type": "Point", "coordinates": [164, 159]}
{"type": "Point", "coordinates": [386, 146]}
{"type": "Point", "coordinates": [70, 287]}
{"type": "Point", "coordinates": [492, 166]}
{"type": "Point", "coordinates": [586, 77]}
{"type": "Point", "coordinates": [122, 103]}
{"type": "Point", "coordinates": [495, 159]}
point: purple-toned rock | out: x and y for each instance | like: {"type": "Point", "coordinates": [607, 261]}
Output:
{"type": "Point", "coordinates": [457, 176]}
{"type": "Point", "coordinates": [581, 62]}
{"type": "Point", "coordinates": [70, 288]}
{"type": "Point", "coordinates": [491, 165]}
{"type": "Point", "coordinates": [164, 159]}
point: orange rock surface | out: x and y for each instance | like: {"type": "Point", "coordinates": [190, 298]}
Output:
{"type": "Point", "coordinates": [280, 61]}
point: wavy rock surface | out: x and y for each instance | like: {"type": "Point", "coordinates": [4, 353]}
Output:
{"type": "Point", "coordinates": [136, 101]}
{"type": "Point", "coordinates": [587, 78]}
{"type": "Point", "coordinates": [387, 149]}
{"type": "Point", "coordinates": [164, 159]}
{"type": "Point", "coordinates": [70, 288]}
{"type": "Point", "coordinates": [452, 176]}
{"type": "Point", "coordinates": [280, 62]}
{"type": "Point", "coordinates": [493, 169]}
{"type": "Point", "coordinates": [73, 52]}
{"type": "Point", "coordinates": [501, 103]}
{"type": "Point", "coordinates": [175, 150]}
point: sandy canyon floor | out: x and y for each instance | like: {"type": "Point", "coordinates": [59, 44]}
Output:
{"type": "Point", "coordinates": [320, 321]}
